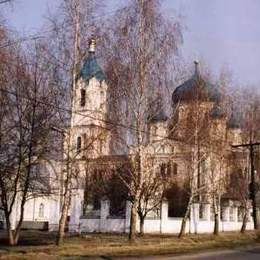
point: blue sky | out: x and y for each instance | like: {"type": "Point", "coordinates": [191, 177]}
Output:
{"type": "Point", "coordinates": [224, 33]}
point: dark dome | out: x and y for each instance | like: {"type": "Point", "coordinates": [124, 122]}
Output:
{"type": "Point", "coordinates": [196, 87]}
{"type": "Point", "coordinates": [158, 117]}
{"type": "Point", "coordinates": [235, 121]}
{"type": "Point", "coordinates": [91, 69]}
{"type": "Point", "coordinates": [216, 112]}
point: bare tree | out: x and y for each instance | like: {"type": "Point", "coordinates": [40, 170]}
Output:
{"type": "Point", "coordinates": [25, 133]}
{"type": "Point", "coordinates": [193, 132]}
{"type": "Point", "coordinates": [249, 109]}
{"type": "Point", "coordinates": [200, 125]}
{"type": "Point", "coordinates": [139, 46]}
{"type": "Point", "coordinates": [71, 28]}
{"type": "Point", "coordinates": [239, 183]}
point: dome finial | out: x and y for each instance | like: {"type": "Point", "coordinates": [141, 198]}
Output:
{"type": "Point", "coordinates": [196, 62]}
{"type": "Point", "coordinates": [92, 45]}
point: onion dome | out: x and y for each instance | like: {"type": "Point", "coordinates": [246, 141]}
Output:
{"type": "Point", "coordinates": [196, 88]}
{"type": "Point", "coordinates": [235, 121]}
{"type": "Point", "coordinates": [90, 68]}
{"type": "Point", "coordinates": [158, 117]}
{"type": "Point", "coordinates": [216, 112]}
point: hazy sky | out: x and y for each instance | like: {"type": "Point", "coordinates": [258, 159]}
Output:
{"type": "Point", "coordinates": [221, 32]}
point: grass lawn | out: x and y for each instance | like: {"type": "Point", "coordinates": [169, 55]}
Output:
{"type": "Point", "coordinates": [40, 245]}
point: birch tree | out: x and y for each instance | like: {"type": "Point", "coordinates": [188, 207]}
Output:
{"type": "Point", "coordinates": [139, 45]}
{"type": "Point", "coordinates": [193, 132]}
{"type": "Point", "coordinates": [71, 29]}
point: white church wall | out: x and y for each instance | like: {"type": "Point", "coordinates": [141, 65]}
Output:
{"type": "Point", "coordinates": [90, 225]}
{"type": "Point", "coordinates": [54, 214]}
{"type": "Point", "coordinates": [40, 209]}
{"type": "Point", "coordinates": [114, 225]}
{"type": "Point", "coordinates": [173, 226]}
{"type": "Point", "coordinates": [164, 225]}
{"type": "Point", "coordinates": [76, 210]}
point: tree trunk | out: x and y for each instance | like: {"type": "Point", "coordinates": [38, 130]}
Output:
{"type": "Point", "coordinates": [61, 231]}
{"type": "Point", "coordinates": [133, 220]}
{"type": "Point", "coordinates": [245, 218]}
{"type": "Point", "coordinates": [216, 224]}
{"type": "Point", "coordinates": [184, 220]}
{"type": "Point", "coordinates": [62, 222]}
{"type": "Point", "coordinates": [13, 234]}
{"type": "Point", "coordinates": [183, 227]}
{"type": "Point", "coordinates": [141, 226]}
{"type": "Point", "coordinates": [11, 239]}
{"type": "Point", "coordinates": [10, 232]}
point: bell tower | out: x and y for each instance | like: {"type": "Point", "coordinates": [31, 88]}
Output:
{"type": "Point", "coordinates": [90, 134]}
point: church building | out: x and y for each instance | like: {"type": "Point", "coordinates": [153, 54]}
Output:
{"type": "Point", "coordinates": [192, 146]}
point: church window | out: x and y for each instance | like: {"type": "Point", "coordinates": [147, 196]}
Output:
{"type": "Point", "coordinates": [92, 130]}
{"type": "Point", "coordinates": [163, 168]}
{"type": "Point", "coordinates": [85, 141]}
{"type": "Point", "coordinates": [102, 106]}
{"type": "Point", "coordinates": [163, 149]}
{"type": "Point", "coordinates": [169, 169]}
{"type": "Point", "coordinates": [154, 132]}
{"type": "Point", "coordinates": [101, 143]}
{"type": "Point", "coordinates": [41, 210]}
{"type": "Point", "coordinates": [172, 169]}
{"type": "Point", "coordinates": [175, 168]}
{"type": "Point", "coordinates": [79, 144]}
{"type": "Point", "coordinates": [82, 97]}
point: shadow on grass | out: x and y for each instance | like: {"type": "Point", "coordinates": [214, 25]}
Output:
{"type": "Point", "coordinates": [29, 238]}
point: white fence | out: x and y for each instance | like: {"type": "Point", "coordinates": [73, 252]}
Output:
{"type": "Point", "coordinates": [164, 224]}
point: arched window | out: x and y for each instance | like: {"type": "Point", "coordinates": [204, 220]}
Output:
{"type": "Point", "coordinates": [163, 149]}
{"type": "Point", "coordinates": [154, 131]}
{"type": "Point", "coordinates": [85, 141]}
{"type": "Point", "coordinates": [101, 145]}
{"type": "Point", "coordinates": [169, 169]}
{"type": "Point", "coordinates": [163, 169]}
{"type": "Point", "coordinates": [79, 144]}
{"type": "Point", "coordinates": [102, 95]}
{"type": "Point", "coordinates": [41, 210]}
{"type": "Point", "coordinates": [175, 168]}
{"type": "Point", "coordinates": [82, 97]}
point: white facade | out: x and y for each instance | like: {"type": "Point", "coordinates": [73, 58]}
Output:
{"type": "Point", "coordinates": [90, 138]}
{"type": "Point", "coordinates": [164, 224]}
{"type": "Point", "coordinates": [90, 106]}
{"type": "Point", "coordinates": [40, 212]}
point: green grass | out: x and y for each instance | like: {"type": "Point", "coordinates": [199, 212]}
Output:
{"type": "Point", "coordinates": [40, 245]}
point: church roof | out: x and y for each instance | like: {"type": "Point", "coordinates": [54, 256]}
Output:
{"type": "Point", "coordinates": [91, 68]}
{"type": "Point", "coordinates": [196, 87]}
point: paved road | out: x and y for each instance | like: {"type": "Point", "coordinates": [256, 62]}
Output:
{"type": "Point", "coordinates": [237, 254]}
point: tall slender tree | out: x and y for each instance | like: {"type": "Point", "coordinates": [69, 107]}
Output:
{"type": "Point", "coordinates": [139, 46]}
